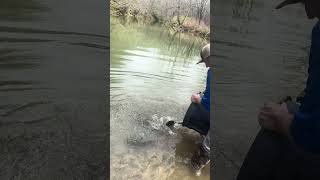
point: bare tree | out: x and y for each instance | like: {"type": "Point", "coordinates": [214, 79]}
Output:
{"type": "Point", "coordinates": [166, 9]}
{"type": "Point", "coordinates": [201, 8]}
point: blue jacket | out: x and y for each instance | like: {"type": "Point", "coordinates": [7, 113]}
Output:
{"type": "Point", "coordinates": [205, 100]}
{"type": "Point", "coordinates": [305, 127]}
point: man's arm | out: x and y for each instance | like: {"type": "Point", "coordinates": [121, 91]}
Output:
{"type": "Point", "coordinates": [305, 127]}
{"type": "Point", "coordinates": [205, 99]}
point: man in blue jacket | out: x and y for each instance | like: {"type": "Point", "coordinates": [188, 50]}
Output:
{"type": "Point", "coordinates": [198, 116]}
{"type": "Point", "coordinates": [202, 156]}
{"type": "Point", "coordinates": [205, 99]}
{"type": "Point", "coordinates": [288, 147]}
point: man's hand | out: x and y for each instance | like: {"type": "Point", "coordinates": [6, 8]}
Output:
{"type": "Point", "coordinates": [196, 98]}
{"type": "Point", "coordinates": [275, 117]}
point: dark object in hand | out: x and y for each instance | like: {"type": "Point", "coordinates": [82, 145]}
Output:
{"type": "Point", "coordinates": [197, 118]}
{"type": "Point", "coordinates": [285, 99]}
{"type": "Point", "coordinates": [300, 97]}
{"type": "Point", "coordinates": [291, 105]}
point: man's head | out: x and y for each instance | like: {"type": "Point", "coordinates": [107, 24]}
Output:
{"type": "Point", "coordinates": [206, 56]}
{"type": "Point", "coordinates": [312, 7]}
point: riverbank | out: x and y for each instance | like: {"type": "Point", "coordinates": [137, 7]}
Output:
{"type": "Point", "coordinates": [183, 24]}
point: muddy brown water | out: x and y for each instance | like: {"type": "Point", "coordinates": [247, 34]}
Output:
{"type": "Point", "coordinates": [261, 55]}
{"type": "Point", "coordinates": [53, 61]}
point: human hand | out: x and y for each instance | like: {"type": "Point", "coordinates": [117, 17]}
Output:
{"type": "Point", "coordinates": [275, 117]}
{"type": "Point", "coordinates": [195, 98]}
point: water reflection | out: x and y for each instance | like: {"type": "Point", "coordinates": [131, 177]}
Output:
{"type": "Point", "coordinates": [16, 59]}
{"type": "Point", "coordinates": [20, 10]}
{"type": "Point", "coordinates": [242, 9]}
{"type": "Point", "coordinates": [51, 91]}
{"type": "Point", "coordinates": [155, 57]}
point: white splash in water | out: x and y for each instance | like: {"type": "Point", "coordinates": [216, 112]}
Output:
{"type": "Point", "coordinates": [156, 122]}
{"type": "Point", "coordinates": [159, 123]}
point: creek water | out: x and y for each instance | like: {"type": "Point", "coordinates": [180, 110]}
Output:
{"type": "Point", "coordinates": [53, 60]}
{"type": "Point", "coordinates": [261, 55]}
{"type": "Point", "coordinates": [153, 72]}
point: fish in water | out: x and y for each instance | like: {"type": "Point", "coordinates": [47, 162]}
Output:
{"type": "Point", "coordinates": [173, 125]}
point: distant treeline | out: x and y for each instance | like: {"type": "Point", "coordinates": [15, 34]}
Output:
{"type": "Point", "coordinates": [192, 16]}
